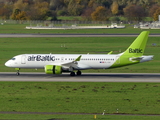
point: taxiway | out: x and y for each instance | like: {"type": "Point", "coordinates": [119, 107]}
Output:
{"type": "Point", "coordinates": [85, 77]}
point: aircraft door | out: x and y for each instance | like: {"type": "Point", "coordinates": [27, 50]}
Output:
{"type": "Point", "coordinates": [23, 59]}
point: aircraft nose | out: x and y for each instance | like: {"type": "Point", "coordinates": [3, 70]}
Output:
{"type": "Point", "coordinates": [7, 64]}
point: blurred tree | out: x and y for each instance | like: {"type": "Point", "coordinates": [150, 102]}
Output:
{"type": "Point", "coordinates": [40, 11]}
{"type": "Point", "coordinates": [134, 13]}
{"type": "Point", "coordinates": [56, 4]}
{"type": "Point", "coordinates": [86, 15]}
{"type": "Point", "coordinates": [114, 8]}
{"type": "Point", "coordinates": [71, 7]}
{"type": "Point", "coordinates": [5, 11]}
{"type": "Point", "coordinates": [23, 6]}
{"type": "Point", "coordinates": [11, 2]}
{"type": "Point", "coordinates": [152, 10]}
{"type": "Point", "coordinates": [100, 14]}
{"type": "Point", "coordinates": [107, 3]}
{"type": "Point", "coordinates": [156, 14]}
{"type": "Point", "coordinates": [75, 8]}
{"type": "Point", "coordinates": [157, 1]}
{"type": "Point", "coordinates": [28, 1]}
{"type": "Point", "coordinates": [66, 2]}
{"type": "Point", "coordinates": [15, 13]}
{"type": "Point", "coordinates": [62, 12]}
{"type": "Point", "coordinates": [93, 4]}
{"type": "Point", "coordinates": [114, 19]}
{"type": "Point", "coordinates": [19, 15]}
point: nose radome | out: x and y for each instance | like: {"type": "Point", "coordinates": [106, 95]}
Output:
{"type": "Point", "coordinates": [7, 64]}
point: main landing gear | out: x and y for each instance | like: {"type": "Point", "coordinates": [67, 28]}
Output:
{"type": "Point", "coordinates": [78, 73]}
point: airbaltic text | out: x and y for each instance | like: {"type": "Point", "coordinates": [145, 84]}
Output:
{"type": "Point", "coordinates": [135, 50]}
{"type": "Point", "coordinates": [41, 58]}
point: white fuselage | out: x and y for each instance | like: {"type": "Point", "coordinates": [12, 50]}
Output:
{"type": "Point", "coordinates": [39, 61]}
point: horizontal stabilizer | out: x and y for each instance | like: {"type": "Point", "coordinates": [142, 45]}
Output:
{"type": "Point", "coordinates": [136, 58]}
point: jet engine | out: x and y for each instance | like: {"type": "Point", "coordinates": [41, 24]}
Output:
{"type": "Point", "coordinates": [53, 69]}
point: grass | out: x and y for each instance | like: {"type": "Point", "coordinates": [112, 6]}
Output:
{"type": "Point", "coordinates": [135, 98]}
{"type": "Point", "coordinates": [10, 47]}
{"type": "Point", "coordinates": [73, 97]}
{"type": "Point", "coordinates": [77, 117]}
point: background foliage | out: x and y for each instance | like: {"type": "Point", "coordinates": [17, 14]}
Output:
{"type": "Point", "coordinates": [44, 9]}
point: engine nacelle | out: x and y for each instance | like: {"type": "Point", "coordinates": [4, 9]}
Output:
{"type": "Point", "coordinates": [53, 69]}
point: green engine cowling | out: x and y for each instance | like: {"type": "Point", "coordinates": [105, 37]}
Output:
{"type": "Point", "coordinates": [53, 69]}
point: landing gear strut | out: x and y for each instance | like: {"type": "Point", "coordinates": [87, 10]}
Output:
{"type": "Point", "coordinates": [17, 71]}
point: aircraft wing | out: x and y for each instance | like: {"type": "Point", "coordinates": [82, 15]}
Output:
{"type": "Point", "coordinates": [72, 64]}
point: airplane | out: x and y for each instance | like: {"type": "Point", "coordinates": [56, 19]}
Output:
{"type": "Point", "coordinates": [58, 63]}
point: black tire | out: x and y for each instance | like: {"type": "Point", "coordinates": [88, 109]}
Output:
{"type": "Point", "coordinates": [79, 72]}
{"type": "Point", "coordinates": [72, 74]}
{"type": "Point", "coordinates": [17, 73]}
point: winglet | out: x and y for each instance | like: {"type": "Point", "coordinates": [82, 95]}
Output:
{"type": "Point", "coordinates": [110, 52]}
{"type": "Point", "coordinates": [78, 59]}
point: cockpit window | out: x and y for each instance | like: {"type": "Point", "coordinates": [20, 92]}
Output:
{"type": "Point", "coordinates": [13, 58]}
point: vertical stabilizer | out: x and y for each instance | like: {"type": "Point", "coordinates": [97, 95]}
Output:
{"type": "Point", "coordinates": [134, 52]}
{"type": "Point", "coordinates": [138, 46]}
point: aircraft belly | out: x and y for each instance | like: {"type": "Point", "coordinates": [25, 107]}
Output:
{"type": "Point", "coordinates": [32, 65]}
{"type": "Point", "coordinates": [95, 65]}
{"type": "Point", "coordinates": [100, 66]}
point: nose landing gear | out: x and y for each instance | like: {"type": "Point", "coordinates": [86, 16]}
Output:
{"type": "Point", "coordinates": [18, 73]}
{"type": "Point", "coordinates": [17, 69]}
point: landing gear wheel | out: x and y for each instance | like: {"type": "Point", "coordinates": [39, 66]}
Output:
{"type": "Point", "coordinates": [79, 72]}
{"type": "Point", "coordinates": [18, 73]}
{"type": "Point", "coordinates": [72, 74]}
{"type": "Point", "coordinates": [17, 69]}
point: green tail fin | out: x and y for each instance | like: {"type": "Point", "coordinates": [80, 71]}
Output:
{"type": "Point", "coordinates": [138, 46]}
{"type": "Point", "coordinates": [134, 52]}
